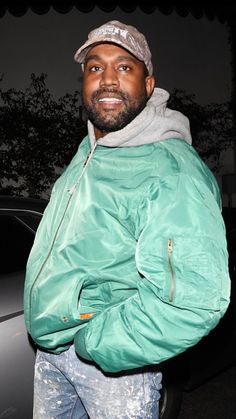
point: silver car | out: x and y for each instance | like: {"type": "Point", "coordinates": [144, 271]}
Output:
{"type": "Point", "coordinates": [19, 219]}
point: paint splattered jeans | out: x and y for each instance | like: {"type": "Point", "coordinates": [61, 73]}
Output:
{"type": "Point", "coordinates": [65, 387]}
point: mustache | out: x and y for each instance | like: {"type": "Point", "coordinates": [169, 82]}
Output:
{"type": "Point", "coordinates": [100, 93]}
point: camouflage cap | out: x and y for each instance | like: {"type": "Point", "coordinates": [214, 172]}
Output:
{"type": "Point", "coordinates": [125, 36]}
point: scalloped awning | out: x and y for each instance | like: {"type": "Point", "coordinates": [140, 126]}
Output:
{"type": "Point", "coordinates": [223, 12]}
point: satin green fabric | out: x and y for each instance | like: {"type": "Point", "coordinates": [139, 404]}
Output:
{"type": "Point", "coordinates": [100, 259]}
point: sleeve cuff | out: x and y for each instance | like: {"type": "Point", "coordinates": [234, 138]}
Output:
{"type": "Point", "coordinates": [80, 345]}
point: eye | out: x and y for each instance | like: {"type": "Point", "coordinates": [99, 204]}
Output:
{"type": "Point", "coordinates": [95, 68]}
{"type": "Point", "coordinates": [124, 67]}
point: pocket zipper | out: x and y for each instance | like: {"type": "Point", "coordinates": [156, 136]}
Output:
{"type": "Point", "coordinates": [170, 252]}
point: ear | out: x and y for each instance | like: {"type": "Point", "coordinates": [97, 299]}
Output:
{"type": "Point", "coordinates": [150, 84]}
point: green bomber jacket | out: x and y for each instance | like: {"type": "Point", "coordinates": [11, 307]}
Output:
{"type": "Point", "coordinates": [130, 259]}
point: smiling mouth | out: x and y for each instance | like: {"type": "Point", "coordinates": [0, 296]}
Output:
{"type": "Point", "coordinates": [112, 100]}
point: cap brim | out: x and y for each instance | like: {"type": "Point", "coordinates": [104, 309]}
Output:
{"type": "Point", "coordinates": [82, 51]}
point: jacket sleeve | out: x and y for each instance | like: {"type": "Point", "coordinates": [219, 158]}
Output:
{"type": "Point", "coordinates": [184, 286]}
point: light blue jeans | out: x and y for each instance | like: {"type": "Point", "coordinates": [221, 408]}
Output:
{"type": "Point", "coordinates": [66, 387]}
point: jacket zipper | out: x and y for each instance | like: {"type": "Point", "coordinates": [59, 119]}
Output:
{"type": "Point", "coordinates": [172, 287]}
{"type": "Point", "coordinates": [71, 192]}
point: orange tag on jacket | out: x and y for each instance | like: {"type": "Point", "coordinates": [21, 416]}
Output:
{"type": "Point", "coordinates": [86, 315]}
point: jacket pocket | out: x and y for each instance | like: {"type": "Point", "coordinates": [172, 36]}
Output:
{"type": "Point", "coordinates": [185, 272]}
{"type": "Point", "coordinates": [196, 270]}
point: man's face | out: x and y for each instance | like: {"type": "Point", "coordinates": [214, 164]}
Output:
{"type": "Point", "coordinates": [115, 87]}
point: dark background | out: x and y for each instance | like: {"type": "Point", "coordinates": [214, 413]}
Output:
{"type": "Point", "coordinates": [193, 47]}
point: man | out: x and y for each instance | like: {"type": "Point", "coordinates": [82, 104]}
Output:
{"type": "Point", "coordinates": [129, 265]}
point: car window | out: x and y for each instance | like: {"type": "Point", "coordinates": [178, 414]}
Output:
{"type": "Point", "coordinates": [30, 221]}
{"type": "Point", "coordinates": [17, 236]}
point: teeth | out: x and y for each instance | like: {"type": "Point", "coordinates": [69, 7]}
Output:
{"type": "Point", "coordinates": [110, 99]}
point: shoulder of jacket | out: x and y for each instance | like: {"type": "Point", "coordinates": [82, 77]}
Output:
{"type": "Point", "coordinates": [175, 156]}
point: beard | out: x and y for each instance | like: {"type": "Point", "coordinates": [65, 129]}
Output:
{"type": "Point", "coordinates": [114, 121]}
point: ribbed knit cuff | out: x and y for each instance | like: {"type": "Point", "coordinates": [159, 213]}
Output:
{"type": "Point", "coordinates": [80, 345]}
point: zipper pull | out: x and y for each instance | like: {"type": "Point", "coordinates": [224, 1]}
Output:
{"type": "Point", "coordinates": [170, 247]}
{"type": "Point", "coordinates": [72, 190]}
{"type": "Point", "coordinates": [86, 160]}
{"type": "Point", "coordinates": [90, 154]}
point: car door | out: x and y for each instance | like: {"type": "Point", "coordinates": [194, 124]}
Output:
{"type": "Point", "coordinates": [17, 231]}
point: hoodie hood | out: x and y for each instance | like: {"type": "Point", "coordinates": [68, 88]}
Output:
{"type": "Point", "coordinates": [155, 123]}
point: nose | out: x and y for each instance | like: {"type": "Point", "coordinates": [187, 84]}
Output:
{"type": "Point", "coordinates": [109, 77]}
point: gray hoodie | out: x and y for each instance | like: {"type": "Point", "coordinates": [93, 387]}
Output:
{"type": "Point", "coordinates": [155, 123]}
